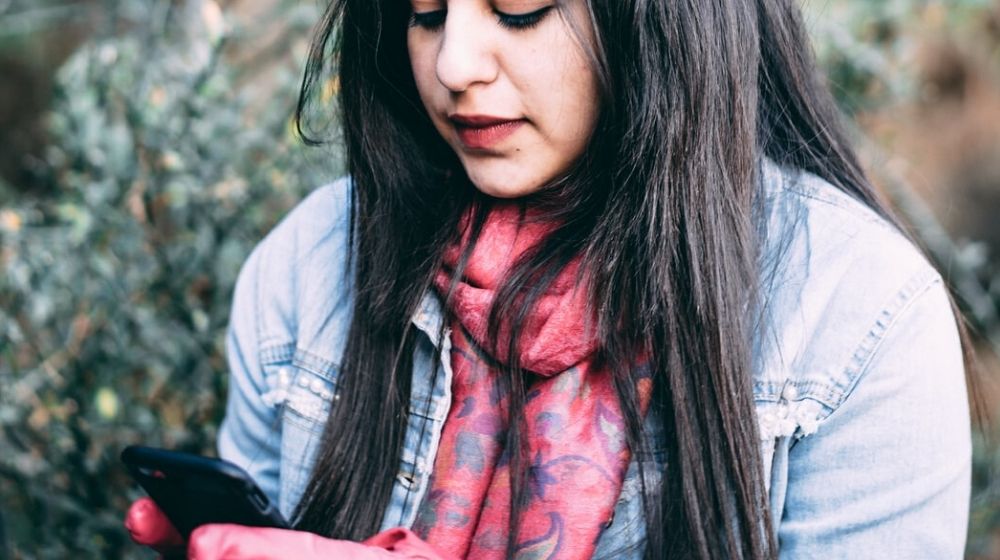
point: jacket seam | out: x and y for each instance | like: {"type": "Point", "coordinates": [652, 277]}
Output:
{"type": "Point", "coordinates": [276, 353]}
{"type": "Point", "coordinates": [316, 365]}
{"type": "Point", "coordinates": [812, 192]}
{"type": "Point", "coordinates": [866, 351]}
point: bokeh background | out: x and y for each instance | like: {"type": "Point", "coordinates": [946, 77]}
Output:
{"type": "Point", "coordinates": [146, 145]}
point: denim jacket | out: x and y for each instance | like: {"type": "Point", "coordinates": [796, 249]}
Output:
{"type": "Point", "coordinates": [858, 378]}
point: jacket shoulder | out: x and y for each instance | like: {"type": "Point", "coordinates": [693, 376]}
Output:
{"type": "Point", "coordinates": [866, 360]}
{"type": "Point", "coordinates": [836, 278]}
{"type": "Point", "coordinates": [300, 270]}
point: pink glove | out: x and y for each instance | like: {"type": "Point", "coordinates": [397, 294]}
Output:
{"type": "Point", "coordinates": [238, 542]}
{"type": "Point", "coordinates": [149, 526]}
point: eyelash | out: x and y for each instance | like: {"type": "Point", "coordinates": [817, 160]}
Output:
{"type": "Point", "coordinates": [435, 19]}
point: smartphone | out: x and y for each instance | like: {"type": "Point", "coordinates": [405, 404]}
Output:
{"type": "Point", "coordinates": [193, 490]}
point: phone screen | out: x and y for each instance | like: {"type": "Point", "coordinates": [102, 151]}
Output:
{"type": "Point", "coordinates": [193, 490]}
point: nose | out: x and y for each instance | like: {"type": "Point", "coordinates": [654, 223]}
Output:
{"type": "Point", "coordinates": [466, 56]}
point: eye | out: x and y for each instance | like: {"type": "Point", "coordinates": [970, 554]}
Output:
{"type": "Point", "coordinates": [434, 20]}
{"type": "Point", "coordinates": [428, 20]}
{"type": "Point", "coordinates": [522, 21]}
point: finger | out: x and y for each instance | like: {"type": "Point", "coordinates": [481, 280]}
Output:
{"type": "Point", "coordinates": [238, 542]}
{"type": "Point", "coordinates": [231, 542]}
{"type": "Point", "coordinates": [149, 526]}
{"type": "Point", "coordinates": [404, 543]}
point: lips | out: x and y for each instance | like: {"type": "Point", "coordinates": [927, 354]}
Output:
{"type": "Point", "coordinates": [483, 131]}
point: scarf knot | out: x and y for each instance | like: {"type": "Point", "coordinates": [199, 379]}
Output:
{"type": "Point", "coordinates": [576, 440]}
{"type": "Point", "coordinates": [558, 333]}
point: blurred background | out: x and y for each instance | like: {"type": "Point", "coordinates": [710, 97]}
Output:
{"type": "Point", "coordinates": [146, 145]}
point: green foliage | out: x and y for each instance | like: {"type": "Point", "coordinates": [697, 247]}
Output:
{"type": "Point", "coordinates": [868, 49]}
{"type": "Point", "coordinates": [168, 161]}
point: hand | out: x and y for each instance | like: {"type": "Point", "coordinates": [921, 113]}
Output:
{"type": "Point", "coordinates": [148, 526]}
{"type": "Point", "coordinates": [239, 542]}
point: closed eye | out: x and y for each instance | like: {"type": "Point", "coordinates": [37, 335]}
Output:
{"type": "Point", "coordinates": [428, 20]}
{"type": "Point", "coordinates": [522, 21]}
{"type": "Point", "coordinates": [435, 19]}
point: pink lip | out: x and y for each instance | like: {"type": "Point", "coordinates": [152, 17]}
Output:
{"type": "Point", "coordinates": [483, 131]}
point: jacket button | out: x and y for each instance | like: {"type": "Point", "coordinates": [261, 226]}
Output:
{"type": "Point", "coordinates": [789, 392]}
{"type": "Point", "coordinates": [316, 386]}
{"type": "Point", "coordinates": [407, 479]}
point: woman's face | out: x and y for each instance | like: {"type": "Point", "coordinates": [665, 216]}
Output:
{"type": "Point", "coordinates": [507, 85]}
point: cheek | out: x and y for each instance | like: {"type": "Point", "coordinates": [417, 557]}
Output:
{"type": "Point", "coordinates": [422, 62]}
{"type": "Point", "coordinates": [561, 81]}
{"type": "Point", "coordinates": [433, 95]}
{"type": "Point", "coordinates": [569, 100]}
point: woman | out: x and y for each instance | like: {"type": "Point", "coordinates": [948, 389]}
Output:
{"type": "Point", "coordinates": [606, 280]}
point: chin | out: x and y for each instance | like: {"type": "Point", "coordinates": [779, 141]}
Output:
{"type": "Point", "coordinates": [504, 193]}
{"type": "Point", "coordinates": [504, 190]}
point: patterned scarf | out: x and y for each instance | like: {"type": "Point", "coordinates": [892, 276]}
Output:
{"type": "Point", "coordinates": [575, 429]}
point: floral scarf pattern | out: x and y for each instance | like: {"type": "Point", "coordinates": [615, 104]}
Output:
{"type": "Point", "coordinates": [575, 429]}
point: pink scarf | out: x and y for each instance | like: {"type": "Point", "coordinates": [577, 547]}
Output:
{"type": "Point", "coordinates": [575, 434]}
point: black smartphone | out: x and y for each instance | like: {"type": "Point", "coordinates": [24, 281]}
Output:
{"type": "Point", "coordinates": [193, 490]}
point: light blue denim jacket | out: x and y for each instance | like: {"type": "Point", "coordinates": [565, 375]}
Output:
{"type": "Point", "coordinates": [858, 379]}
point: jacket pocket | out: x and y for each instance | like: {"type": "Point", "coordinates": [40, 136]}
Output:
{"type": "Point", "coordinates": [309, 400]}
{"type": "Point", "coordinates": [304, 399]}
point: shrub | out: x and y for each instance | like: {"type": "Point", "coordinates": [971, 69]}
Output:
{"type": "Point", "coordinates": [169, 158]}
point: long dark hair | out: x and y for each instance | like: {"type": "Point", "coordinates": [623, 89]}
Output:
{"type": "Point", "coordinates": [661, 209]}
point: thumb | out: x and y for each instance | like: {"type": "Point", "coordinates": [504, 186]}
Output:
{"type": "Point", "coordinates": [402, 543]}
{"type": "Point", "coordinates": [149, 526]}
{"type": "Point", "coordinates": [238, 542]}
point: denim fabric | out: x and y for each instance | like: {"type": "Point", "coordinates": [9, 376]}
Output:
{"type": "Point", "coordinates": [858, 378]}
